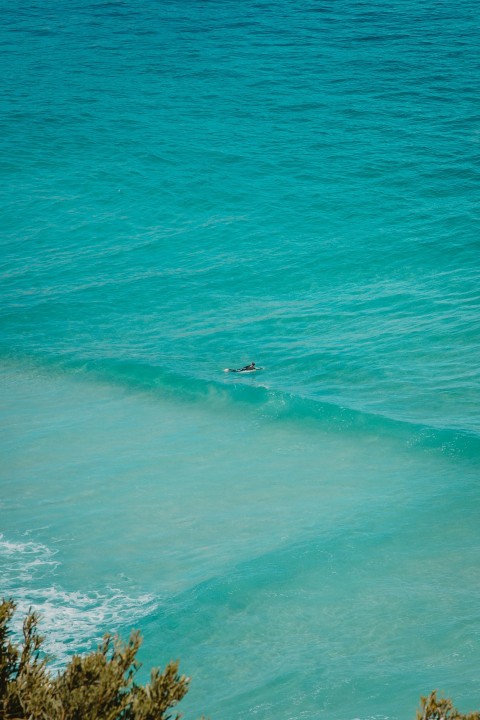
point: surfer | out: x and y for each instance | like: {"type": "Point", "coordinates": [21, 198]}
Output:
{"type": "Point", "coordinates": [248, 367]}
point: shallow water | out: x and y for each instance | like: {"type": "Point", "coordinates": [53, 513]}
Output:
{"type": "Point", "coordinates": [286, 562]}
{"type": "Point", "coordinates": [189, 187]}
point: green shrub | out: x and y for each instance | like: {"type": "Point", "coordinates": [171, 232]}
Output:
{"type": "Point", "coordinates": [97, 686]}
{"type": "Point", "coordinates": [440, 708]}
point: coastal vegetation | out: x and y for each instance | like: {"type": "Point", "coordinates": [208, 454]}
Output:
{"type": "Point", "coordinates": [96, 686]}
{"type": "Point", "coordinates": [440, 708]}
{"type": "Point", "coordinates": [101, 685]}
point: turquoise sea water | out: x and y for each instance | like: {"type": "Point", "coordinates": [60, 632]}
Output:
{"type": "Point", "coordinates": [192, 186]}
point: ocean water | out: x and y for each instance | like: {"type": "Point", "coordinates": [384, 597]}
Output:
{"type": "Point", "coordinates": [189, 186]}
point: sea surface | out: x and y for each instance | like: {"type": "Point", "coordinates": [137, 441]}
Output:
{"type": "Point", "coordinates": [187, 186]}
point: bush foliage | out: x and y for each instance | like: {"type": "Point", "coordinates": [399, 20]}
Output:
{"type": "Point", "coordinates": [440, 708]}
{"type": "Point", "coordinates": [97, 686]}
{"type": "Point", "coordinates": [101, 685]}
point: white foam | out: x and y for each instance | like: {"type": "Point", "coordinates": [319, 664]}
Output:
{"type": "Point", "coordinates": [23, 558]}
{"type": "Point", "coordinates": [72, 622]}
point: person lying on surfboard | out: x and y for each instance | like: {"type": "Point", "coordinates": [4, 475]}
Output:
{"type": "Point", "coordinates": [247, 368]}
